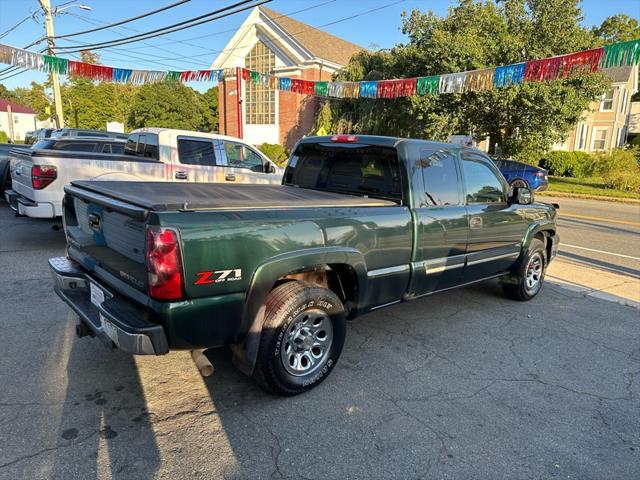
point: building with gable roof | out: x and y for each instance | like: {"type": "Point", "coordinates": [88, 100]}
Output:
{"type": "Point", "coordinates": [16, 120]}
{"type": "Point", "coordinates": [269, 42]}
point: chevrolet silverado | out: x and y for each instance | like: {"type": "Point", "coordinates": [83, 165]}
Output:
{"type": "Point", "coordinates": [274, 271]}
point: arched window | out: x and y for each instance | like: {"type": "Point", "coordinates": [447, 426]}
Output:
{"type": "Point", "coordinates": [260, 100]}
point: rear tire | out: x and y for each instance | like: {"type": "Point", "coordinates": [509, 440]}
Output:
{"type": "Point", "coordinates": [527, 282]}
{"type": "Point", "coordinates": [302, 338]}
{"type": "Point", "coordinates": [519, 183]}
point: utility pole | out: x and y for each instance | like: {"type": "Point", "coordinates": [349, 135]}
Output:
{"type": "Point", "coordinates": [57, 98]}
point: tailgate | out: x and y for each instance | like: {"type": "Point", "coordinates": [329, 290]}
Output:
{"type": "Point", "coordinates": [21, 174]}
{"type": "Point", "coordinates": [107, 238]}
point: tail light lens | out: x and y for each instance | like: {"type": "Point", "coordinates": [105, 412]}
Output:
{"type": "Point", "coordinates": [164, 264]}
{"type": "Point", "coordinates": [42, 176]}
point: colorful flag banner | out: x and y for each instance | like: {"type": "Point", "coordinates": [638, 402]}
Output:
{"type": "Point", "coordinates": [623, 54]}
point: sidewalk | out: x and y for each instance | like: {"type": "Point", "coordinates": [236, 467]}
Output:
{"type": "Point", "coordinates": [594, 282]}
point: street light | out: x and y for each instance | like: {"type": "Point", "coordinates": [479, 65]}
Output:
{"type": "Point", "coordinates": [62, 8]}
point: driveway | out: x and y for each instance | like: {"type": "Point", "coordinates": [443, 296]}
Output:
{"type": "Point", "coordinates": [464, 384]}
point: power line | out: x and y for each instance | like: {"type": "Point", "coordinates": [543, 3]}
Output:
{"type": "Point", "coordinates": [292, 35]}
{"type": "Point", "coordinates": [159, 47]}
{"type": "Point", "coordinates": [236, 29]}
{"type": "Point", "coordinates": [132, 56]}
{"type": "Point", "coordinates": [33, 16]}
{"type": "Point", "coordinates": [178, 26]}
{"type": "Point", "coordinates": [121, 22]}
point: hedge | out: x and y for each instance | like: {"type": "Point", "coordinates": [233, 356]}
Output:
{"type": "Point", "coordinates": [568, 164]}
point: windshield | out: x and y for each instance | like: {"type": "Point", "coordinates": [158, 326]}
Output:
{"type": "Point", "coordinates": [352, 169]}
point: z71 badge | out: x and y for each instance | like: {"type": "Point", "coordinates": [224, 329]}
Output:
{"type": "Point", "coordinates": [218, 276]}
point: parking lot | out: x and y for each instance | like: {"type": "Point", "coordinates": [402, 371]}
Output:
{"type": "Point", "coordinates": [463, 384]}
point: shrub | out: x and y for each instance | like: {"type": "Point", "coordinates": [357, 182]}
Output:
{"type": "Point", "coordinates": [619, 169]}
{"type": "Point", "coordinates": [568, 164]}
{"type": "Point", "coordinates": [3, 137]}
{"type": "Point", "coordinates": [275, 152]}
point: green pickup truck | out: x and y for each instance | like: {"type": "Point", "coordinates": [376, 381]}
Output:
{"type": "Point", "coordinates": [274, 271]}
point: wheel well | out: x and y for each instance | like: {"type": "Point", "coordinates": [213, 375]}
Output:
{"type": "Point", "coordinates": [519, 178]}
{"type": "Point", "coordinates": [544, 237]}
{"type": "Point", "coordinates": [339, 278]}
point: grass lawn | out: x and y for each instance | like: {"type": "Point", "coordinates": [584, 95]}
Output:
{"type": "Point", "coordinates": [585, 186]}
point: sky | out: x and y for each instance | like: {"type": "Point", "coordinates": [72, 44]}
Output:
{"type": "Point", "coordinates": [347, 19]}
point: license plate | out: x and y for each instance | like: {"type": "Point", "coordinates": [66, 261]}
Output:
{"type": "Point", "coordinates": [110, 329]}
{"type": "Point", "coordinates": [97, 295]}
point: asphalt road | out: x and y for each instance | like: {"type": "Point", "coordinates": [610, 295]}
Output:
{"type": "Point", "coordinates": [464, 384]}
{"type": "Point", "coordinates": [601, 234]}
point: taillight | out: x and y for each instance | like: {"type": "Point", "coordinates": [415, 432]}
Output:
{"type": "Point", "coordinates": [43, 175]}
{"type": "Point", "coordinates": [163, 264]}
{"type": "Point", "coordinates": [541, 174]}
{"type": "Point", "coordinates": [344, 138]}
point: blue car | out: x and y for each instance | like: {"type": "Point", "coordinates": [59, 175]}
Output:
{"type": "Point", "coordinates": [523, 175]}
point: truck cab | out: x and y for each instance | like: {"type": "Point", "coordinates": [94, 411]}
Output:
{"type": "Point", "coordinates": [359, 223]}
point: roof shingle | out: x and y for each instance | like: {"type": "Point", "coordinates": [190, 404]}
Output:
{"type": "Point", "coordinates": [320, 44]}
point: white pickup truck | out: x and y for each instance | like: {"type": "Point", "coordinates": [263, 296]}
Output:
{"type": "Point", "coordinates": [39, 174]}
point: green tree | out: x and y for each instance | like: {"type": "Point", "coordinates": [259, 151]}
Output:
{"type": "Point", "coordinates": [169, 104]}
{"type": "Point", "coordinates": [524, 119]}
{"type": "Point", "coordinates": [618, 28]}
{"type": "Point", "coordinates": [210, 102]}
{"type": "Point", "coordinates": [35, 98]}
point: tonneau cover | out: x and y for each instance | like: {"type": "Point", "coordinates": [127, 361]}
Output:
{"type": "Point", "coordinates": [164, 196]}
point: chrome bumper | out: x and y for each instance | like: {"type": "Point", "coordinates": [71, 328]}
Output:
{"type": "Point", "coordinates": [115, 320]}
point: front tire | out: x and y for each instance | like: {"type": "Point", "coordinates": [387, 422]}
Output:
{"type": "Point", "coordinates": [527, 282]}
{"type": "Point", "coordinates": [302, 338]}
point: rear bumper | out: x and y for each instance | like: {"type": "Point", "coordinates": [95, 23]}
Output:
{"type": "Point", "coordinates": [115, 320]}
{"type": "Point", "coordinates": [23, 206]}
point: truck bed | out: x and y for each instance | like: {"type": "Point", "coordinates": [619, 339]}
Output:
{"type": "Point", "coordinates": [168, 196]}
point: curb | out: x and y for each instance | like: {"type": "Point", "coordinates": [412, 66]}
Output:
{"type": "Point", "coordinates": [551, 193]}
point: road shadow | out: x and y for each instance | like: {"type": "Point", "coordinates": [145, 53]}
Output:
{"type": "Point", "coordinates": [601, 264]}
{"type": "Point", "coordinates": [105, 425]}
{"type": "Point", "coordinates": [593, 224]}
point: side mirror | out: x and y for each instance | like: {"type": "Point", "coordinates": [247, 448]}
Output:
{"type": "Point", "coordinates": [521, 196]}
{"type": "Point", "coordinates": [270, 168]}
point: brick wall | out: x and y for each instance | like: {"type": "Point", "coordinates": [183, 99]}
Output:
{"type": "Point", "coordinates": [228, 111]}
{"type": "Point", "coordinates": [296, 112]}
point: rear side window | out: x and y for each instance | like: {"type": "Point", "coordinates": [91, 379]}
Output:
{"type": "Point", "coordinates": [196, 152]}
{"type": "Point", "coordinates": [74, 146]}
{"type": "Point", "coordinates": [142, 145]}
{"type": "Point", "coordinates": [117, 148]}
{"type": "Point", "coordinates": [440, 177]}
{"type": "Point", "coordinates": [355, 169]}
{"type": "Point", "coordinates": [131, 145]}
{"type": "Point", "coordinates": [482, 184]}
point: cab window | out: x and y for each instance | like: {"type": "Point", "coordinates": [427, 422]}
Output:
{"type": "Point", "coordinates": [241, 156]}
{"type": "Point", "coordinates": [440, 177]}
{"type": "Point", "coordinates": [482, 183]}
{"type": "Point", "coordinates": [196, 152]}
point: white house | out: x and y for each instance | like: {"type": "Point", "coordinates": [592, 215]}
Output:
{"type": "Point", "coordinates": [16, 120]}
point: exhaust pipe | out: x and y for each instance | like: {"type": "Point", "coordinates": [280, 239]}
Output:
{"type": "Point", "coordinates": [83, 330]}
{"type": "Point", "coordinates": [202, 362]}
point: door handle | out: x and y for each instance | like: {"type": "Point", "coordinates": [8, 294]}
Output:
{"type": "Point", "coordinates": [230, 177]}
{"type": "Point", "coordinates": [475, 222]}
{"type": "Point", "coordinates": [181, 175]}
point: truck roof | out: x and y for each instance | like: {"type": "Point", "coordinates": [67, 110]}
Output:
{"type": "Point", "coordinates": [171, 196]}
{"type": "Point", "coordinates": [187, 133]}
{"type": "Point", "coordinates": [378, 140]}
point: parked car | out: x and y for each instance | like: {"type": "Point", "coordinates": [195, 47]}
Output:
{"type": "Point", "coordinates": [5, 157]}
{"type": "Point", "coordinates": [30, 137]}
{"type": "Point", "coordinates": [358, 224]}
{"type": "Point", "coordinates": [83, 132]}
{"type": "Point", "coordinates": [43, 133]}
{"type": "Point", "coordinates": [155, 154]}
{"type": "Point", "coordinates": [520, 174]}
